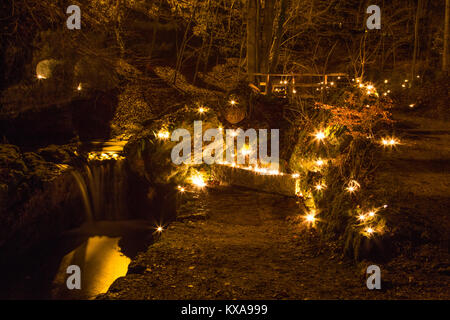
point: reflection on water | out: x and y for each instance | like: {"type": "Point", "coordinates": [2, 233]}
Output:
{"type": "Point", "coordinates": [111, 145]}
{"type": "Point", "coordinates": [100, 261]}
{"type": "Point", "coordinates": [102, 250]}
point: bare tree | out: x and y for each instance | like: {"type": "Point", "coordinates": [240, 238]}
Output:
{"type": "Point", "coordinates": [416, 38]}
{"type": "Point", "coordinates": [252, 39]}
{"type": "Point", "coordinates": [446, 36]}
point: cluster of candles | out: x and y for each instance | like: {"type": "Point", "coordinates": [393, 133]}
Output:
{"type": "Point", "coordinates": [256, 169]}
{"type": "Point", "coordinates": [389, 142]}
{"type": "Point", "coordinates": [327, 85]}
{"type": "Point", "coordinates": [163, 134]}
{"type": "Point", "coordinates": [366, 220]}
{"type": "Point", "coordinates": [403, 85]}
{"type": "Point", "coordinates": [369, 89]}
{"type": "Point", "coordinates": [197, 180]}
{"type": "Point", "coordinates": [294, 91]}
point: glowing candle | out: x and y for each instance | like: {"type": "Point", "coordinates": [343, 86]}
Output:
{"type": "Point", "coordinates": [163, 134]}
{"type": "Point", "coordinates": [320, 135]}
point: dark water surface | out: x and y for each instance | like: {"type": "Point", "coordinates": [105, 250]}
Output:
{"type": "Point", "coordinates": [102, 250]}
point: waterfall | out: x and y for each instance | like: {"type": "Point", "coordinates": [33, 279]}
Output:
{"type": "Point", "coordinates": [103, 187]}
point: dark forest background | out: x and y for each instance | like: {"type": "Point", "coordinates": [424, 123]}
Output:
{"type": "Point", "coordinates": [193, 36]}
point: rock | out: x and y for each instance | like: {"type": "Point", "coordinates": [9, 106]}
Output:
{"type": "Point", "coordinates": [136, 268]}
{"type": "Point", "coordinates": [41, 214]}
{"type": "Point", "coordinates": [11, 158]}
{"type": "Point", "coordinates": [95, 74]}
{"type": "Point", "coordinates": [56, 154]}
{"type": "Point", "coordinates": [45, 69]}
{"type": "Point", "coordinates": [237, 103]}
{"type": "Point", "coordinates": [279, 184]}
{"type": "Point", "coordinates": [38, 199]}
{"type": "Point", "coordinates": [150, 158]}
{"type": "Point", "coordinates": [192, 216]}
{"type": "Point", "coordinates": [39, 169]}
{"type": "Point", "coordinates": [234, 114]}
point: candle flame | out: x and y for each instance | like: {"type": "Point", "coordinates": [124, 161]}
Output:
{"type": "Point", "coordinates": [198, 181]}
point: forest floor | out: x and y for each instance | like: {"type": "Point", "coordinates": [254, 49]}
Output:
{"type": "Point", "coordinates": [241, 244]}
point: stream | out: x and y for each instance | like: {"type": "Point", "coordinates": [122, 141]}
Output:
{"type": "Point", "coordinates": [102, 247]}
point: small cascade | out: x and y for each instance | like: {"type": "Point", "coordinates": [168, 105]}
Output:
{"type": "Point", "coordinates": [103, 187]}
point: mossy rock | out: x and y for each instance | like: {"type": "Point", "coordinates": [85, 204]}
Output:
{"type": "Point", "coordinates": [237, 103]}
{"type": "Point", "coordinates": [11, 158]}
{"type": "Point", "coordinates": [48, 68]}
{"type": "Point", "coordinates": [235, 114]}
{"type": "Point", "coordinates": [56, 154]}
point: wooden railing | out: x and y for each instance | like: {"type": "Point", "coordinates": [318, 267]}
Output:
{"type": "Point", "coordinates": [292, 81]}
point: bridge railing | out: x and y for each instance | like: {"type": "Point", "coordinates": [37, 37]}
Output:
{"type": "Point", "coordinates": [290, 82]}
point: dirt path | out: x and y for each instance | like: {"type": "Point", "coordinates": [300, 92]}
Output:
{"type": "Point", "coordinates": [242, 244]}
{"type": "Point", "coordinates": [417, 179]}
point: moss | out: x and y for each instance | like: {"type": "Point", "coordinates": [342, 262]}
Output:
{"type": "Point", "coordinates": [57, 154]}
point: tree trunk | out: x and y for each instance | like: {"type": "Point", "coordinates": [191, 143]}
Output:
{"type": "Point", "coordinates": [416, 39]}
{"type": "Point", "coordinates": [199, 57]}
{"type": "Point", "coordinates": [267, 35]}
{"type": "Point", "coordinates": [155, 27]}
{"type": "Point", "coordinates": [252, 38]}
{"type": "Point", "coordinates": [183, 45]}
{"type": "Point", "coordinates": [446, 57]}
{"type": "Point", "coordinates": [211, 37]}
{"type": "Point", "coordinates": [277, 41]}
{"type": "Point", "coordinates": [205, 68]}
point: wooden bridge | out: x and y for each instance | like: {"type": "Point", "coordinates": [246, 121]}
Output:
{"type": "Point", "coordinates": [293, 83]}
